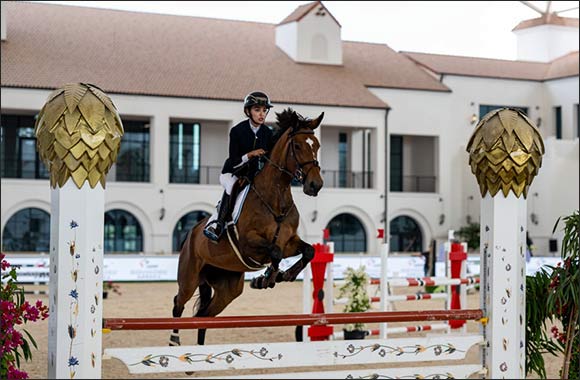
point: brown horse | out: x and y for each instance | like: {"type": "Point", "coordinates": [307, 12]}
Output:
{"type": "Point", "coordinates": [266, 228]}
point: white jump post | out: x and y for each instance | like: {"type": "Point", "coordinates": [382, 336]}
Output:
{"type": "Point", "coordinates": [505, 153]}
{"type": "Point", "coordinates": [78, 135]}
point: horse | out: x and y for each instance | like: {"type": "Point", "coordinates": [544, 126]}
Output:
{"type": "Point", "coordinates": [266, 228]}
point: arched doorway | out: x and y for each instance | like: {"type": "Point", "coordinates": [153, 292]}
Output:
{"type": "Point", "coordinates": [406, 236]}
{"type": "Point", "coordinates": [347, 233]}
{"type": "Point", "coordinates": [123, 232]}
{"type": "Point", "coordinates": [27, 231]}
{"type": "Point", "coordinates": [184, 225]}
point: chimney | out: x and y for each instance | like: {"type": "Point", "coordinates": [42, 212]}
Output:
{"type": "Point", "coordinates": [546, 38]}
{"type": "Point", "coordinates": [310, 34]}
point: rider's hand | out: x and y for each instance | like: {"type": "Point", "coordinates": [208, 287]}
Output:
{"type": "Point", "coordinates": [256, 153]}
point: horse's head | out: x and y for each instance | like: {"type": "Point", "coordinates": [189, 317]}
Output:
{"type": "Point", "coordinates": [301, 148]}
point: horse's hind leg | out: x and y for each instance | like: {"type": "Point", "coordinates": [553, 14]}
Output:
{"type": "Point", "coordinates": [227, 286]}
{"type": "Point", "coordinates": [295, 247]}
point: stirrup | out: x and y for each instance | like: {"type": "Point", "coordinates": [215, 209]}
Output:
{"type": "Point", "coordinates": [211, 232]}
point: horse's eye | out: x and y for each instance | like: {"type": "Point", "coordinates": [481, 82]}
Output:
{"type": "Point", "coordinates": [297, 146]}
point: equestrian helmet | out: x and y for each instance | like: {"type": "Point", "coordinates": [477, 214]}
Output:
{"type": "Point", "coordinates": [257, 98]}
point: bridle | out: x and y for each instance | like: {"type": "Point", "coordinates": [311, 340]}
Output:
{"type": "Point", "coordinates": [299, 174]}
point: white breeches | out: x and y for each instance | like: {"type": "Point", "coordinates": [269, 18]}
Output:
{"type": "Point", "coordinates": [228, 180]}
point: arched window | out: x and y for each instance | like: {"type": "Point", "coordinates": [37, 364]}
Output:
{"type": "Point", "coordinates": [122, 232]}
{"type": "Point", "coordinates": [184, 225]}
{"type": "Point", "coordinates": [347, 233]}
{"type": "Point", "coordinates": [406, 235]}
{"type": "Point", "coordinates": [27, 231]}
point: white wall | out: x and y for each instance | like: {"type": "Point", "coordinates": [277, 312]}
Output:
{"type": "Point", "coordinates": [145, 200]}
{"type": "Point", "coordinates": [545, 43]}
{"type": "Point", "coordinates": [447, 115]}
{"type": "Point", "coordinates": [554, 192]}
{"type": "Point", "coordinates": [287, 38]}
{"type": "Point", "coordinates": [564, 93]}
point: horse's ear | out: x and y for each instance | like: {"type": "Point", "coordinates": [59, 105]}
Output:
{"type": "Point", "coordinates": [316, 122]}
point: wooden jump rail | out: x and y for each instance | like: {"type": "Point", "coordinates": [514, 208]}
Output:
{"type": "Point", "coordinates": [287, 320]}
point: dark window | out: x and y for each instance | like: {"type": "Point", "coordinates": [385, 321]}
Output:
{"type": "Point", "coordinates": [485, 109]}
{"type": "Point", "coordinates": [396, 163]}
{"type": "Point", "coordinates": [27, 231]}
{"type": "Point", "coordinates": [184, 152]}
{"type": "Point", "coordinates": [18, 155]}
{"type": "Point", "coordinates": [406, 235]}
{"type": "Point", "coordinates": [558, 121]}
{"type": "Point", "coordinates": [183, 226]}
{"type": "Point", "coordinates": [122, 232]}
{"type": "Point", "coordinates": [347, 233]}
{"type": "Point", "coordinates": [133, 159]}
{"type": "Point", "coordinates": [342, 159]}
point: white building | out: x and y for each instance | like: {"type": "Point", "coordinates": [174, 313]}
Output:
{"type": "Point", "coordinates": [178, 83]}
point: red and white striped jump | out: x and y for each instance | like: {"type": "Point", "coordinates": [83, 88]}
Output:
{"type": "Point", "coordinates": [402, 297]}
{"type": "Point", "coordinates": [401, 329]}
{"type": "Point", "coordinates": [422, 281]}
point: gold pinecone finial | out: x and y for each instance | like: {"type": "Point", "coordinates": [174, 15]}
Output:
{"type": "Point", "coordinates": [505, 152]}
{"type": "Point", "coordinates": [78, 132]}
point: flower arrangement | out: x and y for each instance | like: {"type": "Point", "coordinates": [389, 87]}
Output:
{"type": "Point", "coordinates": [110, 286]}
{"type": "Point", "coordinates": [554, 291]}
{"type": "Point", "coordinates": [355, 290]}
{"type": "Point", "coordinates": [15, 310]}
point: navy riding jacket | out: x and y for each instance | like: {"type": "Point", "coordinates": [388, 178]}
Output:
{"type": "Point", "coordinates": [242, 141]}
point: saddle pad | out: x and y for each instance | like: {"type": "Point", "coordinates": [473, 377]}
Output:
{"type": "Point", "coordinates": [237, 207]}
{"type": "Point", "coordinates": [239, 204]}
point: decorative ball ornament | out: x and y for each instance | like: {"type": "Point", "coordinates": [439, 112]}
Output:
{"type": "Point", "coordinates": [78, 132]}
{"type": "Point", "coordinates": [505, 152]}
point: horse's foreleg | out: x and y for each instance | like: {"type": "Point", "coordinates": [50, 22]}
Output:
{"type": "Point", "coordinates": [268, 279]}
{"type": "Point", "coordinates": [259, 243]}
{"type": "Point", "coordinates": [295, 247]}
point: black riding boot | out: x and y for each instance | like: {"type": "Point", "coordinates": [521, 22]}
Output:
{"type": "Point", "coordinates": [216, 228]}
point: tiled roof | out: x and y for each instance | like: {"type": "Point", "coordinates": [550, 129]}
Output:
{"type": "Point", "coordinates": [299, 12]}
{"type": "Point", "coordinates": [498, 68]}
{"type": "Point", "coordinates": [548, 19]}
{"type": "Point", "coordinates": [564, 66]}
{"type": "Point", "coordinates": [150, 54]}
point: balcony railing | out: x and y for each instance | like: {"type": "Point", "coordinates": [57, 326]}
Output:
{"type": "Point", "coordinates": [348, 179]}
{"type": "Point", "coordinates": [205, 175]}
{"type": "Point", "coordinates": [24, 169]}
{"type": "Point", "coordinates": [415, 184]}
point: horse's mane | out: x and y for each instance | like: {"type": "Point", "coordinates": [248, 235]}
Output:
{"type": "Point", "coordinates": [283, 122]}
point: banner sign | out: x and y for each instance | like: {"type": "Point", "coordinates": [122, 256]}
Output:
{"type": "Point", "coordinates": [35, 269]}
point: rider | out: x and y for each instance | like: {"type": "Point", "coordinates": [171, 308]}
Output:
{"type": "Point", "coordinates": [248, 139]}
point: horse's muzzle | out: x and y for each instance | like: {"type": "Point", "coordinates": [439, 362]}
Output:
{"type": "Point", "coordinates": [312, 187]}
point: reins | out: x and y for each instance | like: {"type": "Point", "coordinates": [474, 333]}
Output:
{"type": "Point", "coordinates": [299, 175]}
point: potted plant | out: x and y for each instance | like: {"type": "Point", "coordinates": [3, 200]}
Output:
{"type": "Point", "coordinates": [110, 286]}
{"type": "Point", "coordinates": [358, 300]}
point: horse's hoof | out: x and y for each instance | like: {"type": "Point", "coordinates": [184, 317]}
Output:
{"type": "Point", "coordinates": [174, 340]}
{"type": "Point", "coordinates": [255, 283]}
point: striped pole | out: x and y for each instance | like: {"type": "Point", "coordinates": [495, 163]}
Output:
{"type": "Point", "coordinates": [402, 329]}
{"type": "Point", "coordinates": [422, 281]}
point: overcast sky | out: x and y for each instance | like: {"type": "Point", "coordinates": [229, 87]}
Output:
{"type": "Point", "coordinates": [467, 28]}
